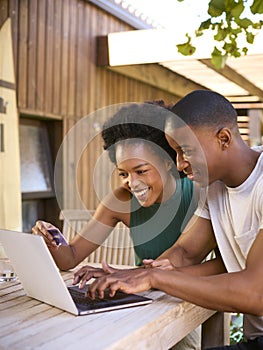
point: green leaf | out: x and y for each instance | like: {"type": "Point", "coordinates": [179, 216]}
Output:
{"type": "Point", "coordinates": [257, 25]}
{"type": "Point", "coordinates": [236, 53]}
{"type": "Point", "coordinates": [216, 8]}
{"type": "Point", "coordinates": [227, 28]}
{"type": "Point", "coordinates": [244, 22]}
{"type": "Point", "coordinates": [237, 10]}
{"type": "Point", "coordinates": [257, 7]}
{"type": "Point", "coordinates": [245, 50]}
{"type": "Point", "coordinates": [218, 59]}
{"type": "Point", "coordinates": [236, 31]}
{"type": "Point", "coordinates": [198, 33]}
{"type": "Point", "coordinates": [186, 49]}
{"type": "Point", "coordinates": [232, 49]}
{"type": "Point", "coordinates": [221, 34]}
{"type": "Point", "coordinates": [250, 37]}
{"type": "Point", "coordinates": [205, 24]}
{"type": "Point", "coordinates": [216, 52]}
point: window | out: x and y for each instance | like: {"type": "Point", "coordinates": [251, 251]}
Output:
{"type": "Point", "coordinates": [36, 163]}
{"type": "Point", "coordinates": [37, 155]}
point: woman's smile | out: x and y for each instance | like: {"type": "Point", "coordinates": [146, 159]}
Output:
{"type": "Point", "coordinates": [144, 173]}
{"type": "Point", "coordinates": [141, 194]}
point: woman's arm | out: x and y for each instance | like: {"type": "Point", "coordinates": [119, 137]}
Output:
{"type": "Point", "coordinates": [92, 234]}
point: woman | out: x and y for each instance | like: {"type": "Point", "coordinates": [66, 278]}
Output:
{"type": "Point", "coordinates": [152, 199]}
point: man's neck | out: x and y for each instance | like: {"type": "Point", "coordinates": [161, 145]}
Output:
{"type": "Point", "coordinates": [242, 164]}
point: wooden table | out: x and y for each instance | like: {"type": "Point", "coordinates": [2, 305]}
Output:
{"type": "Point", "coordinates": [26, 323]}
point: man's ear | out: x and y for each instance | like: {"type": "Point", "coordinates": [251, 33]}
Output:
{"type": "Point", "coordinates": [224, 137]}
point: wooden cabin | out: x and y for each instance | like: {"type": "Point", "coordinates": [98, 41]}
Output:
{"type": "Point", "coordinates": [57, 82]}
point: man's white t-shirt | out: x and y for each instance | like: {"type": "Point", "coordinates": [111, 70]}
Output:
{"type": "Point", "coordinates": [236, 215]}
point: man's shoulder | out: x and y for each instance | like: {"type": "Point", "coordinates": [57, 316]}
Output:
{"type": "Point", "coordinates": [258, 186]}
{"type": "Point", "coordinates": [258, 148]}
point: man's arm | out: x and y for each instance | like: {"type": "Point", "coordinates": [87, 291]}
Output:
{"type": "Point", "coordinates": [192, 247]}
{"type": "Point", "coordinates": [232, 292]}
{"type": "Point", "coordinates": [210, 267]}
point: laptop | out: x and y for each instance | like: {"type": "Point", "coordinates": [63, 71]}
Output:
{"type": "Point", "coordinates": [41, 279]}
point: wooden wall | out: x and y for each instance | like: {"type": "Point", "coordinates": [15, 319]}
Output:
{"type": "Point", "coordinates": [54, 44]}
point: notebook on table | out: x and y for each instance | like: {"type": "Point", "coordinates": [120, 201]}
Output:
{"type": "Point", "coordinates": [42, 280]}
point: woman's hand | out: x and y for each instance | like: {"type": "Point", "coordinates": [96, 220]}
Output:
{"type": "Point", "coordinates": [51, 234]}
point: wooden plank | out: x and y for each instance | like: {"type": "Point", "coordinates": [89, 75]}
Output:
{"type": "Point", "coordinates": [159, 77]}
{"type": "Point", "coordinates": [103, 99]}
{"type": "Point", "coordinates": [216, 330]}
{"type": "Point", "coordinates": [165, 318]}
{"type": "Point", "coordinates": [236, 78]}
{"type": "Point", "coordinates": [9, 287]}
{"type": "Point", "coordinates": [49, 58]}
{"type": "Point", "coordinates": [88, 192]}
{"type": "Point", "coordinates": [51, 331]}
{"type": "Point", "coordinates": [13, 14]}
{"type": "Point", "coordinates": [26, 112]}
{"type": "Point", "coordinates": [41, 54]}
{"type": "Point", "coordinates": [29, 316]}
{"type": "Point", "coordinates": [80, 53]}
{"type": "Point", "coordinates": [4, 13]}
{"type": "Point", "coordinates": [254, 105]}
{"type": "Point", "coordinates": [22, 55]}
{"type": "Point", "coordinates": [64, 57]}
{"type": "Point", "coordinates": [78, 97]}
{"type": "Point", "coordinates": [57, 39]}
{"type": "Point", "coordinates": [102, 54]}
{"type": "Point", "coordinates": [16, 299]}
{"type": "Point", "coordinates": [84, 100]}
{"type": "Point", "coordinates": [7, 293]}
{"type": "Point", "coordinates": [139, 47]}
{"type": "Point", "coordinates": [86, 47]}
{"type": "Point", "coordinates": [72, 58]}
{"type": "Point", "coordinates": [31, 54]}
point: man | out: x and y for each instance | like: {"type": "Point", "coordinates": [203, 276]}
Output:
{"type": "Point", "coordinates": [210, 150]}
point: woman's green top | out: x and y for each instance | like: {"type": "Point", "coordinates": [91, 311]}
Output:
{"type": "Point", "coordinates": [156, 228]}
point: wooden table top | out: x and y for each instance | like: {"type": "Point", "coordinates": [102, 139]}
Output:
{"type": "Point", "coordinates": [26, 323]}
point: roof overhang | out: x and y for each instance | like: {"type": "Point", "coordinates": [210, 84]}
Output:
{"type": "Point", "coordinates": [151, 55]}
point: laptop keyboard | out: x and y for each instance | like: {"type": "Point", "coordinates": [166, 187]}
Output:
{"type": "Point", "coordinates": [119, 300]}
{"type": "Point", "coordinates": [79, 297]}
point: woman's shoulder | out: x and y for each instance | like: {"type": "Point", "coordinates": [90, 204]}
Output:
{"type": "Point", "coordinates": [116, 200]}
{"type": "Point", "coordinates": [115, 206]}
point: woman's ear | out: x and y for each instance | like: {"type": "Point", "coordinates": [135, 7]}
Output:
{"type": "Point", "coordinates": [224, 137]}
